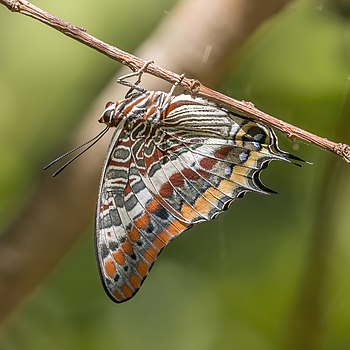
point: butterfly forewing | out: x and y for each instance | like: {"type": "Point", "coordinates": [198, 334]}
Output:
{"type": "Point", "coordinates": [172, 163]}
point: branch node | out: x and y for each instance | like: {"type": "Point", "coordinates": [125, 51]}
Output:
{"type": "Point", "coordinates": [343, 150]}
{"type": "Point", "coordinates": [195, 86]}
{"type": "Point", "coordinates": [15, 6]}
{"type": "Point", "coordinates": [249, 104]}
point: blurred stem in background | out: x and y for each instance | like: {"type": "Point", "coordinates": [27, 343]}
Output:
{"type": "Point", "coordinates": [308, 323]}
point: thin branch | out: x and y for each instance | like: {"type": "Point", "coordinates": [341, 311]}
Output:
{"type": "Point", "coordinates": [191, 85]}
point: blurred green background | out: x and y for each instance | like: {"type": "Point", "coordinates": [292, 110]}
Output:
{"type": "Point", "coordinates": [236, 282]}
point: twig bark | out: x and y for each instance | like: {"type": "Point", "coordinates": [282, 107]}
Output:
{"type": "Point", "coordinates": [191, 85]}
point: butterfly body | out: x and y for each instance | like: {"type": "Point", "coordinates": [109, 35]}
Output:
{"type": "Point", "coordinates": [174, 161]}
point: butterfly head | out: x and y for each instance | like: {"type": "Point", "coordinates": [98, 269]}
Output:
{"type": "Point", "coordinates": [108, 115]}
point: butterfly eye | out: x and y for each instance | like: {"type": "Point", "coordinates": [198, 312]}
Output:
{"type": "Point", "coordinates": [109, 104]}
{"type": "Point", "coordinates": [107, 116]}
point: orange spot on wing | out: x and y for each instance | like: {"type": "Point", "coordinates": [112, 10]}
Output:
{"type": "Point", "coordinates": [213, 194]}
{"type": "Point", "coordinates": [188, 213]}
{"type": "Point", "coordinates": [164, 235]}
{"type": "Point", "coordinates": [227, 187]}
{"type": "Point", "coordinates": [117, 296]}
{"type": "Point", "coordinates": [143, 221]}
{"type": "Point", "coordinates": [110, 268]}
{"type": "Point", "coordinates": [176, 227]}
{"type": "Point", "coordinates": [239, 179]}
{"type": "Point", "coordinates": [127, 247]}
{"type": "Point", "coordinates": [119, 257]}
{"type": "Point", "coordinates": [159, 242]}
{"type": "Point", "coordinates": [134, 235]}
{"type": "Point", "coordinates": [126, 291]}
{"type": "Point", "coordinates": [135, 281]}
{"type": "Point", "coordinates": [202, 205]}
{"type": "Point", "coordinates": [153, 206]}
{"type": "Point", "coordinates": [150, 255]}
{"type": "Point", "coordinates": [142, 269]}
{"type": "Point", "coordinates": [162, 239]}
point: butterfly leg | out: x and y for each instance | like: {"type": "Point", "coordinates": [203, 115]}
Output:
{"type": "Point", "coordinates": [171, 92]}
{"type": "Point", "coordinates": [135, 85]}
{"type": "Point", "coordinates": [163, 108]}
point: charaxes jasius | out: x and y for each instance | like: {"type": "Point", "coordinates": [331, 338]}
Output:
{"type": "Point", "coordinates": [174, 161]}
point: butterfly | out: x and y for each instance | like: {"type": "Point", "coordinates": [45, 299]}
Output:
{"type": "Point", "coordinates": [173, 162]}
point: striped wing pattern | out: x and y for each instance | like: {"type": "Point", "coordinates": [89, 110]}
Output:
{"type": "Point", "coordinates": [173, 162]}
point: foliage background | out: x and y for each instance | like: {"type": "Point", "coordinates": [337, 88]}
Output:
{"type": "Point", "coordinates": [234, 283]}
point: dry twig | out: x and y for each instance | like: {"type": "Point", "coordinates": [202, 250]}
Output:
{"type": "Point", "coordinates": [191, 85]}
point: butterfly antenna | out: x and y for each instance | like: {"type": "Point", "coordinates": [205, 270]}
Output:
{"type": "Point", "coordinates": [92, 141]}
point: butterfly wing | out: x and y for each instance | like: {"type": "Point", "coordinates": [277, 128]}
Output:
{"type": "Point", "coordinates": [210, 157]}
{"type": "Point", "coordinates": [133, 223]}
{"type": "Point", "coordinates": [160, 180]}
